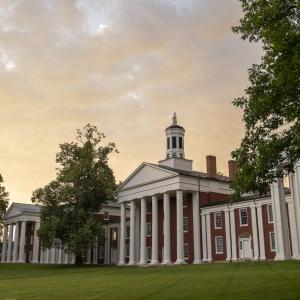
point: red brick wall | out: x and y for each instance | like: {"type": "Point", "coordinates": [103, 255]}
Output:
{"type": "Point", "coordinates": [267, 229]}
{"type": "Point", "coordinates": [217, 232]}
{"type": "Point", "coordinates": [189, 235]}
{"type": "Point", "coordinates": [212, 198]}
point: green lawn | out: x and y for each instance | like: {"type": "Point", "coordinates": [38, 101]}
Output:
{"type": "Point", "coordinates": [235, 281]}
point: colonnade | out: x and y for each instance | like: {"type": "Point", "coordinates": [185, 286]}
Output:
{"type": "Point", "coordinates": [166, 259]}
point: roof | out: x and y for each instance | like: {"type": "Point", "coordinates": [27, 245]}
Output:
{"type": "Point", "coordinates": [175, 126]}
{"type": "Point", "coordinates": [112, 204]}
{"type": "Point", "coordinates": [194, 173]}
{"type": "Point", "coordinates": [27, 208]}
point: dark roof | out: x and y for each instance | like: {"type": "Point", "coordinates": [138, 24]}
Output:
{"type": "Point", "coordinates": [27, 208]}
{"type": "Point", "coordinates": [175, 126]}
{"type": "Point", "coordinates": [195, 174]}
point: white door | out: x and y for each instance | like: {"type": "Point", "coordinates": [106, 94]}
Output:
{"type": "Point", "coordinates": [245, 248]}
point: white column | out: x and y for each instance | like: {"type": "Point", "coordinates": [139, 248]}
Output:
{"type": "Point", "coordinates": [179, 221]}
{"type": "Point", "coordinates": [204, 241]}
{"type": "Point", "coordinates": [88, 256]}
{"type": "Point", "coordinates": [254, 232]}
{"type": "Point", "coordinates": [66, 258]}
{"type": "Point", "coordinates": [262, 254]}
{"type": "Point", "coordinates": [10, 241]}
{"type": "Point", "coordinates": [196, 228]}
{"type": "Point", "coordinates": [22, 242]}
{"type": "Point", "coordinates": [137, 232]}
{"type": "Point", "coordinates": [167, 256]}
{"type": "Point", "coordinates": [4, 245]}
{"type": "Point", "coordinates": [16, 242]}
{"type": "Point", "coordinates": [36, 242]}
{"type": "Point", "coordinates": [208, 230]}
{"type": "Point", "coordinates": [143, 233]}
{"type": "Point", "coordinates": [233, 235]}
{"type": "Point", "coordinates": [95, 252]}
{"type": "Point", "coordinates": [154, 259]}
{"type": "Point", "coordinates": [73, 259]}
{"type": "Point", "coordinates": [294, 213]}
{"type": "Point", "coordinates": [227, 232]}
{"type": "Point", "coordinates": [280, 221]}
{"type": "Point", "coordinates": [122, 235]}
{"type": "Point", "coordinates": [47, 258]}
{"type": "Point", "coordinates": [132, 234]}
{"type": "Point", "coordinates": [293, 229]}
{"type": "Point", "coordinates": [60, 252]}
{"type": "Point", "coordinates": [53, 255]}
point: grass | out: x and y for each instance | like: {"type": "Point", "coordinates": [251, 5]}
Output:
{"type": "Point", "coordinates": [237, 281]}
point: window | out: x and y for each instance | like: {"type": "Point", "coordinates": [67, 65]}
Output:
{"type": "Point", "coordinates": [174, 142]}
{"type": "Point", "coordinates": [174, 154]}
{"type": "Point", "coordinates": [185, 224]}
{"type": "Point", "coordinates": [148, 229]}
{"type": "Point", "coordinates": [185, 202]}
{"type": "Point", "coordinates": [168, 143]}
{"type": "Point", "coordinates": [149, 253]}
{"type": "Point", "coordinates": [186, 251]}
{"type": "Point", "coordinates": [272, 241]}
{"type": "Point", "coordinates": [270, 214]}
{"type": "Point", "coordinates": [218, 220]}
{"type": "Point", "coordinates": [219, 244]}
{"type": "Point", "coordinates": [127, 232]}
{"type": "Point", "coordinates": [148, 207]}
{"type": "Point", "coordinates": [106, 216]}
{"type": "Point", "coordinates": [127, 250]}
{"type": "Point", "coordinates": [114, 234]}
{"type": "Point", "coordinates": [180, 143]}
{"type": "Point", "coordinates": [243, 217]}
{"type": "Point", "coordinates": [101, 251]}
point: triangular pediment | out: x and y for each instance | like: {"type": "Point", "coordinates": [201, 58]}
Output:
{"type": "Point", "coordinates": [12, 211]}
{"type": "Point", "coordinates": [146, 173]}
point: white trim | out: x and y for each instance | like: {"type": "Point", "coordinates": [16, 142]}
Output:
{"type": "Point", "coordinates": [187, 224]}
{"type": "Point", "coordinates": [216, 237]}
{"type": "Point", "coordinates": [215, 219]}
{"type": "Point", "coordinates": [268, 212]}
{"type": "Point", "coordinates": [150, 225]}
{"type": "Point", "coordinates": [270, 239]}
{"type": "Point", "coordinates": [240, 214]}
{"type": "Point", "coordinates": [186, 245]}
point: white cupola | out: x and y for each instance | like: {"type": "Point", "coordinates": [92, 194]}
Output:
{"type": "Point", "coordinates": [175, 157]}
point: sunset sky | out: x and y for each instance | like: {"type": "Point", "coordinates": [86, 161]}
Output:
{"type": "Point", "coordinates": [124, 66]}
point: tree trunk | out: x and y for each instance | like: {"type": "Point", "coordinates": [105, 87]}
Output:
{"type": "Point", "coordinates": [78, 259]}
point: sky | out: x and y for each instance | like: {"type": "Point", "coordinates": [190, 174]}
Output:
{"type": "Point", "coordinates": [124, 66]}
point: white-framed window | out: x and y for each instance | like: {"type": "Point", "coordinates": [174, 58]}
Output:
{"type": "Point", "coordinates": [148, 229]}
{"type": "Point", "coordinates": [149, 253]}
{"type": "Point", "coordinates": [148, 207]}
{"type": "Point", "coordinates": [185, 202]}
{"type": "Point", "coordinates": [272, 241]}
{"type": "Point", "coordinates": [127, 232]}
{"type": "Point", "coordinates": [270, 213]}
{"type": "Point", "coordinates": [219, 244]}
{"type": "Point", "coordinates": [185, 224]}
{"type": "Point", "coordinates": [218, 220]}
{"type": "Point", "coordinates": [127, 250]}
{"type": "Point", "coordinates": [106, 216]}
{"type": "Point", "coordinates": [114, 234]}
{"type": "Point", "coordinates": [186, 251]}
{"type": "Point", "coordinates": [243, 216]}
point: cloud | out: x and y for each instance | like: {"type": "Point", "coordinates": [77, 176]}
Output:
{"type": "Point", "coordinates": [124, 66]}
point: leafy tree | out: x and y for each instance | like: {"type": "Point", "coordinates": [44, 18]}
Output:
{"type": "Point", "coordinates": [3, 202]}
{"type": "Point", "coordinates": [271, 105]}
{"type": "Point", "coordinates": [84, 182]}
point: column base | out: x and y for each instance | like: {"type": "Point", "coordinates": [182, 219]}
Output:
{"type": "Point", "coordinates": [209, 261]}
{"type": "Point", "coordinates": [131, 264]}
{"type": "Point", "coordinates": [142, 264]}
{"type": "Point", "coordinates": [234, 259]}
{"type": "Point", "coordinates": [35, 262]}
{"type": "Point", "coordinates": [228, 259]}
{"type": "Point", "coordinates": [179, 262]}
{"type": "Point", "coordinates": [255, 259]}
{"type": "Point", "coordinates": [154, 263]}
{"type": "Point", "coordinates": [21, 262]}
{"type": "Point", "coordinates": [296, 257]}
{"type": "Point", "coordinates": [166, 263]}
{"type": "Point", "coordinates": [262, 258]}
{"type": "Point", "coordinates": [280, 257]}
{"type": "Point", "coordinates": [197, 262]}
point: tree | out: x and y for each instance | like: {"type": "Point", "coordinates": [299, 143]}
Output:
{"type": "Point", "coordinates": [271, 105]}
{"type": "Point", "coordinates": [3, 202]}
{"type": "Point", "coordinates": [84, 182]}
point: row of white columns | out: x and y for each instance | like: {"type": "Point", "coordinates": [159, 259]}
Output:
{"type": "Point", "coordinates": [166, 230]}
{"type": "Point", "coordinates": [14, 250]}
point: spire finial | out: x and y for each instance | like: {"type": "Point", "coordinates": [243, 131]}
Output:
{"type": "Point", "coordinates": [174, 119]}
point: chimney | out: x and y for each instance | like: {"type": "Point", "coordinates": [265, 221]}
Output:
{"type": "Point", "coordinates": [211, 166]}
{"type": "Point", "coordinates": [232, 168]}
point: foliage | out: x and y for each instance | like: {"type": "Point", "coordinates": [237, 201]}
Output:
{"type": "Point", "coordinates": [271, 105]}
{"type": "Point", "coordinates": [3, 202]}
{"type": "Point", "coordinates": [84, 182]}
